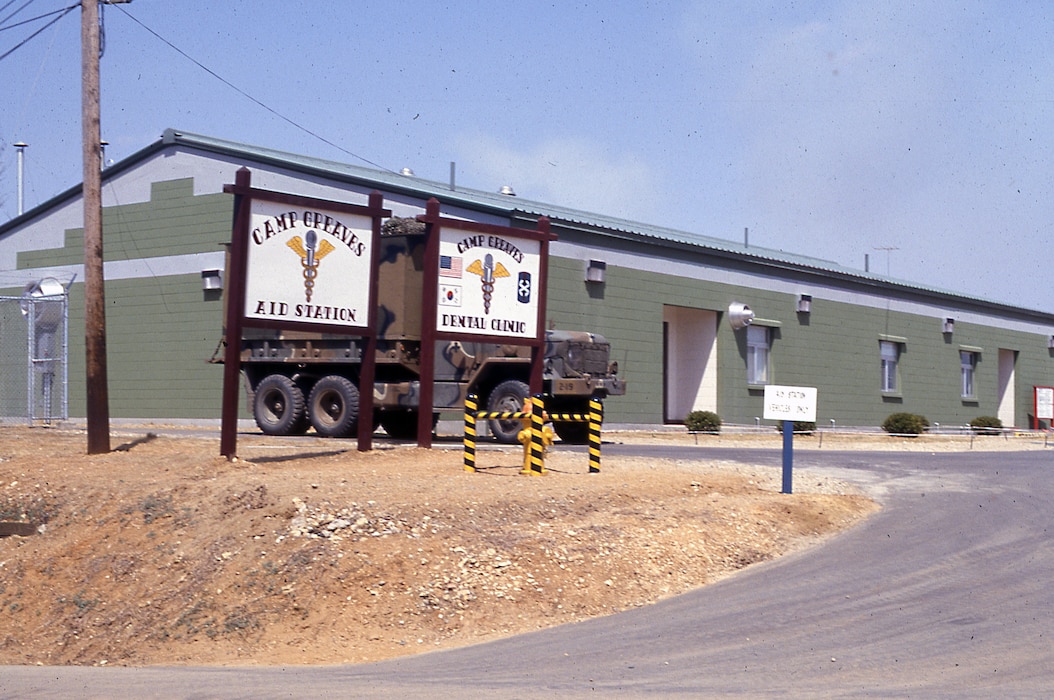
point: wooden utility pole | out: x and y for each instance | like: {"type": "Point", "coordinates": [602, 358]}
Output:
{"type": "Point", "coordinates": [97, 390]}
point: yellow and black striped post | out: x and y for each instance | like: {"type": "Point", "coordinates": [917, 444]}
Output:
{"type": "Point", "coordinates": [596, 419]}
{"type": "Point", "coordinates": [537, 425]}
{"type": "Point", "coordinates": [470, 433]}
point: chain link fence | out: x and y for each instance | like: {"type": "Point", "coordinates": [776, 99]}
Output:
{"type": "Point", "coordinates": [34, 354]}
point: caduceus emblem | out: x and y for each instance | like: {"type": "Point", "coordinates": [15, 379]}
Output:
{"type": "Point", "coordinates": [487, 272]}
{"type": "Point", "coordinates": [311, 253]}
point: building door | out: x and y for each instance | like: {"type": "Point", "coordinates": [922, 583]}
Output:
{"type": "Point", "coordinates": [1007, 361]}
{"type": "Point", "coordinates": [689, 362]}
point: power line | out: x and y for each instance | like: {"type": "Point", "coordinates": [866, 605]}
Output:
{"type": "Point", "coordinates": [34, 34]}
{"type": "Point", "coordinates": [63, 12]}
{"type": "Point", "coordinates": [8, 4]}
{"type": "Point", "coordinates": [31, 19]}
{"type": "Point", "coordinates": [249, 97]}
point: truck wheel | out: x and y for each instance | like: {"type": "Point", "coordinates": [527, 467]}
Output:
{"type": "Point", "coordinates": [278, 406]}
{"type": "Point", "coordinates": [507, 397]}
{"type": "Point", "coordinates": [403, 425]}
{"type": "Point", "coordinates": [333, 407]}
{"type": "Point", "coordinates": [572, 433]}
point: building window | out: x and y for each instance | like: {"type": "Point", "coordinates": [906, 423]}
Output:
{"type": "Point", "coordinates": [890, 353]}
{"type": "Point", "coordinates": [757, 355]}
{"type": "Point", "coordinates": [968, 363]}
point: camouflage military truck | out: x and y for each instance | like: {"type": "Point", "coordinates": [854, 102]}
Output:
{"type": "Point", "coordinates": [298, 380]}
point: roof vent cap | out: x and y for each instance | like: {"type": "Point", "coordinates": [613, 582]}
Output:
{"type": "Point", "coordinates": [739, 315]}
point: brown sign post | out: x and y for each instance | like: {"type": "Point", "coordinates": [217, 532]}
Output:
{"type": "Point", "coordinates": [300, 263]}
{"type": "Point", "coordinates": [482, 282]}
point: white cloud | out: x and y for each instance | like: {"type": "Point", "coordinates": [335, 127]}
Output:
{"type": "Point", "coordinates": [567, 171]}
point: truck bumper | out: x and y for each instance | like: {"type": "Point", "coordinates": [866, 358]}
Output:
{"type": "Point", "coordinates": [587, 386]}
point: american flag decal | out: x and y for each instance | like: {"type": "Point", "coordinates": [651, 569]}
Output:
{"type": "Point", "coordinates": [449, 266]}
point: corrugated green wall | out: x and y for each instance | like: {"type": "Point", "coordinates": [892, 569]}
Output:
{"type": "Point", "coordinates": [14, 331]}
{"type": "Point", "coordinates": [160, 334]}
{"type": "Point", "coordinates": [163, 328]}
{"type": "Point", "coordinates": [834, 348]}
{"type": "Point", "coordinates": [629, 318]}
{"type": "Point", "coordinates": [160, 329]}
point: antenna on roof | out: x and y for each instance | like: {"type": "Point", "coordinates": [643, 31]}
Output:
{"type": "Point", "coordinates": [888, 249]}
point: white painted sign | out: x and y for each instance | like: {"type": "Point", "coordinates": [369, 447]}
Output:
{"type": "Point", "coordinates": [308, 266]}
{"type": "Point", "coordinates": [488, 284]}
{"type": "Point", "coordinates": [793, 403]}
{"type": "Point", "coordinates": [1045, 402]}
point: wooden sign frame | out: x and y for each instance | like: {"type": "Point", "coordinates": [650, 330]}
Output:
{"type": "Point", "coordinates": [318, 318]}
{"type": "Point", "coordinates": [435, 223]}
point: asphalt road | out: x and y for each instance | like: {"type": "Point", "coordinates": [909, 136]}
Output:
{"type": "Point", "coordinates": [945, 593]}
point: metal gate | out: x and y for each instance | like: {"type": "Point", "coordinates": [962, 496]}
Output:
{"type": "Point", "coordinates": [34, 354]}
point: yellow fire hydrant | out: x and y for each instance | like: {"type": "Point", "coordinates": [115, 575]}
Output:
{"type": "Point", "coordinates": [524, 436]}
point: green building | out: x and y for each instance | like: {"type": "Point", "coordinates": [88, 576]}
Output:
{"type": "Point", "coordinates": [674, 305]}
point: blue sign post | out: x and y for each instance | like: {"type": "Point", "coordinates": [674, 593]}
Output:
{"type": "Point", "coordinates": [789, 404]}
{"type": "Point", "coordinates": [788, 456]}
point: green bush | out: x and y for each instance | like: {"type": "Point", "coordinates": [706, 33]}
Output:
{"type": "Point", "coordinates": [905, 424]}
{"type": "Point", "coordinates": [801, 427]}
{"type": "Point", "coordinates": [703, 422]}
{"type": "Point", "coordinates": [986, 425]}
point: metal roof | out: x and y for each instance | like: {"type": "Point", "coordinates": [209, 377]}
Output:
{"type": "Point", "coordinates": [600, 224]}
{"type": "Point", "coordinates": [515, 207]}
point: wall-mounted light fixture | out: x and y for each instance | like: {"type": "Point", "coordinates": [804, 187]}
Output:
{"type": "Point", "coordinates": [595, 270]}
{"type": "Point", "coordinates": [948, 326]}
{"type": "Point", "coordinates": [739, 315]}
{"type": "Point", "coordinates": [1050, 342]}
{"type": "Point", "coordinates": [211, 280]}
{"type": "Point", "coordinates": [804, 303]}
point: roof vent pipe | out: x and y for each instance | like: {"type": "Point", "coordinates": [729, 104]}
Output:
{"type": "Point", "coordinates": [21, 146]}
{"type": "Point", "coordinates": [507, 190]}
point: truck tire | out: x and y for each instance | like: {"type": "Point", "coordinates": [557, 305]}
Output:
{"type": "Point", "coordinates": [507, 397]}
{"type": "Point", "coordinates": [571, 432]}
{"type": "Point", "coordinates": [333, 407]}
{"type": "Point", "coordinates": [278, 406]}
{"type": "Point", "coordinates": [403, 425]}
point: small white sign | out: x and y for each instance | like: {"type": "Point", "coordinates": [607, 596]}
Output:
{"type": "Point", "coordinates": [794, 403]}
{"type": "Point", "coordinates": [1045, 403]}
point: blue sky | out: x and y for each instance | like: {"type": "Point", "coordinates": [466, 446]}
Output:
{"type": "Point", "coordinates": [919, 134]}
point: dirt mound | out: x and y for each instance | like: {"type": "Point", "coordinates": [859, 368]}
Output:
{"type": "Point", "coordinates": [308, 551]}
